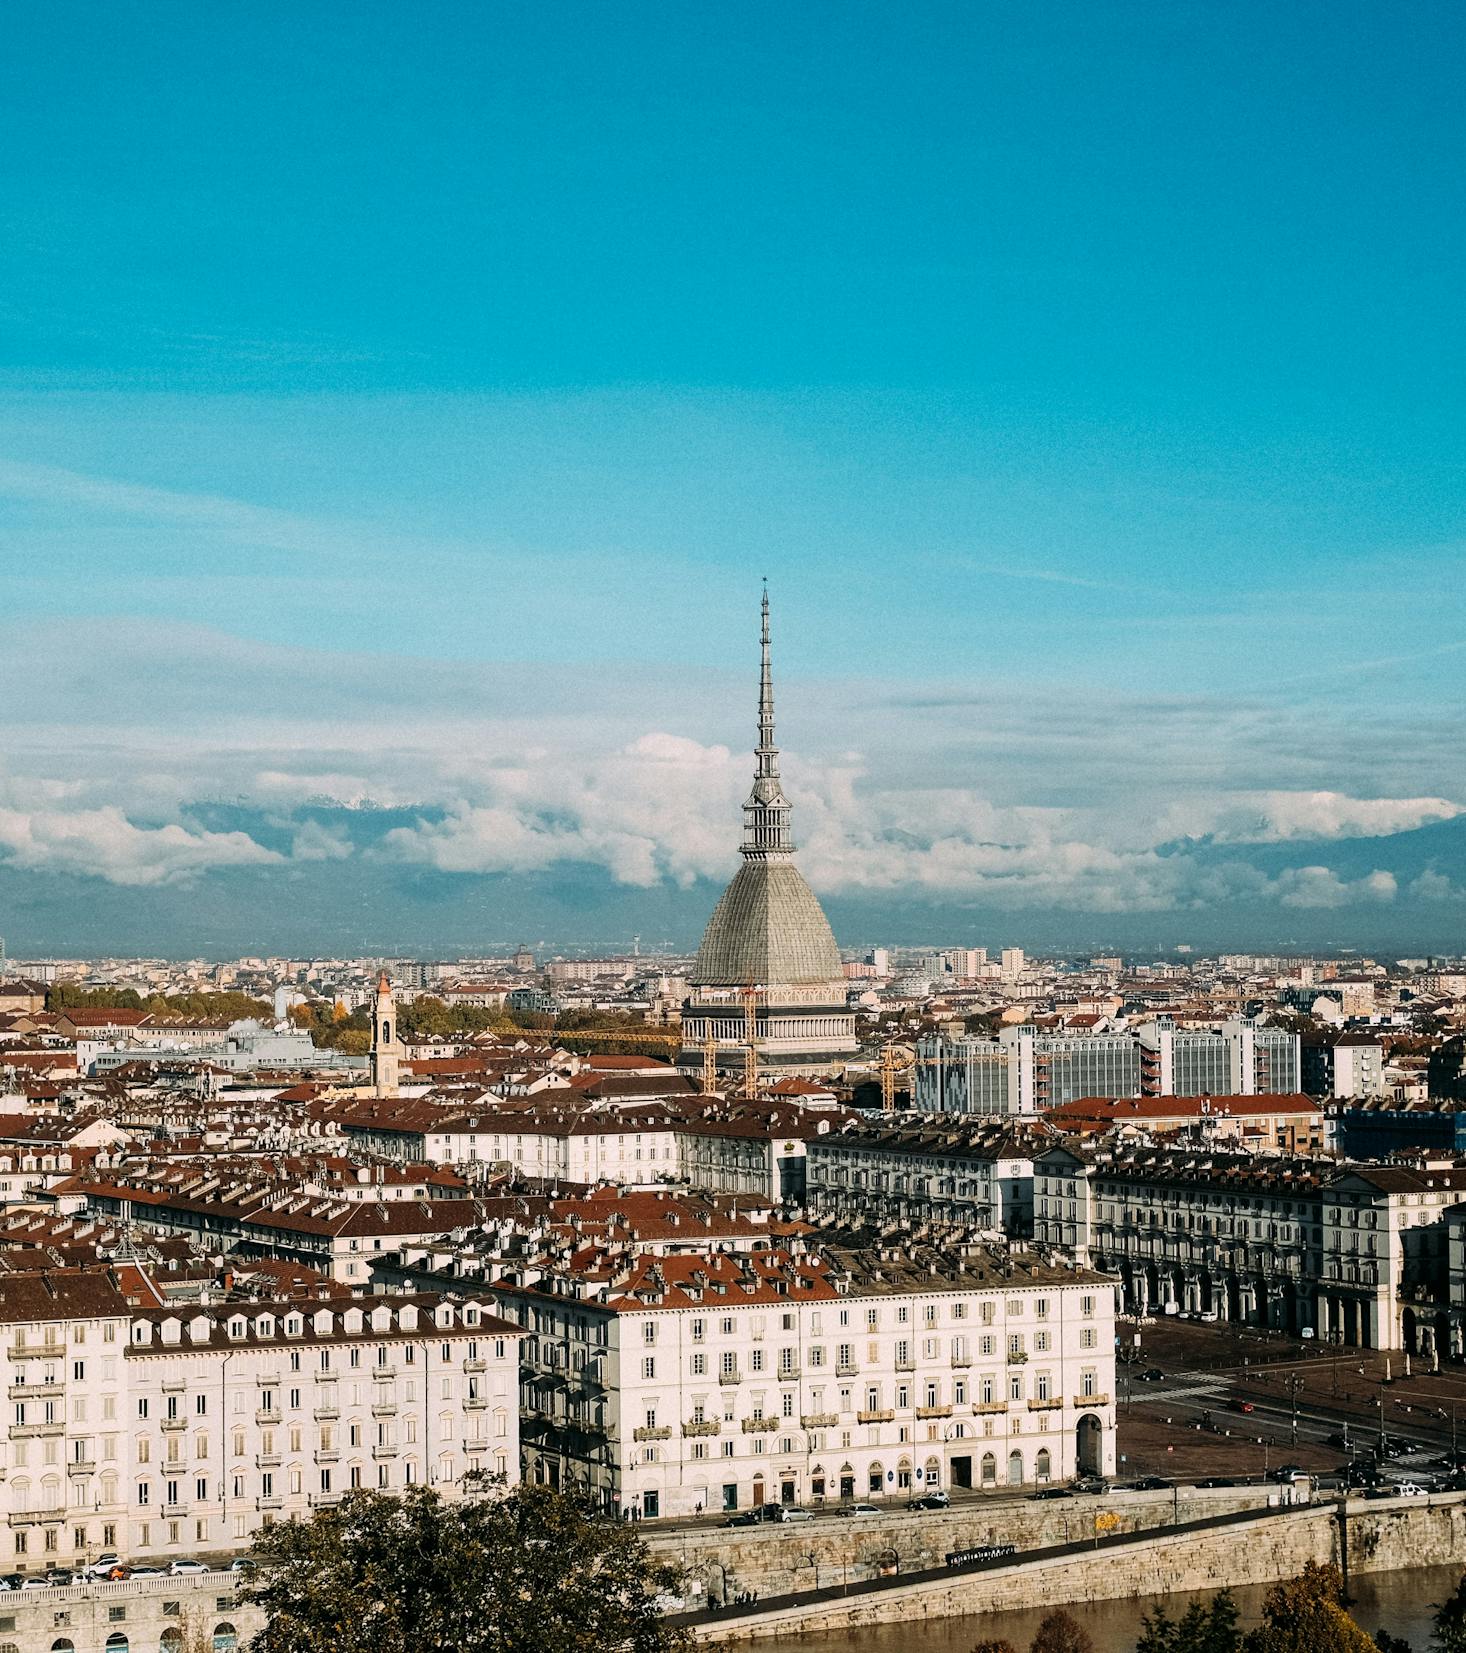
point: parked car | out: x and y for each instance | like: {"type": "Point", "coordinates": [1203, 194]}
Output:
{"type": "Point", "coordinates": [1412, 1489]}
{"type": "Point", "coordinates": [241, 1564]}
{"type": "Point", "coordinates": [179, 1568]}
{"type": "Point", "coordinates": [1286, 1472]}
{"type": "Point", "coordinates": [930, 1501]}
{"type": "Point", "coordinates": [1150, 1483]}
{"type": "Point", "coordinates": [1051, 1492]}
{"type": "Point", "coordinates": [744, 1518]}
{"type": "Point", "coordinates": [1218, 1481]}
{"type": "Point", "coordinates": [788, 1512]}
{"type": "Point", "coordinates": [105, 1564]}
{"type": "Point", "coordinates": [857, 1509]}
{"type": "Point", "coordinates": [1096, 1485]}
{"type": "Point", "coordinates": [1384, 1490]}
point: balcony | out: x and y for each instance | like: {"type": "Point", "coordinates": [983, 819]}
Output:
{"type": "Point", "coordinates": [787, 1374]}
{"type": "Point", "coordinates": [380, 1451]}
{"type": "Point", "coordinates": [37, 1351]}
{"type": "Point", "coordinates": [81, 1466]}
{"type": "Point", "coordinates": [272, 1501]}
{"type": "Point", "coordinates": [653, 1432]}
{"type": "Point", "coordinates": [1091, 1400]}
{"type": "Point", "coordinates": [23, 1518]}
{"type": "Point", "coordinates": [882, 1414]}
{"type": "Point", "coordinates": [321, 1500]}
{"type": "Point", "coordinates": [702, 1426]}
{"type": "Point", "coordinates": [1017, 1357]}
{"type": "Point", "coordinates": [934, 1411]}
{"type": "Point", "coordinates": [328, 1411]}
{"type": "Point", "coordinates": [327, 1454]}
{"type": "Point", "coordinates": [267, 1414]}
{"type": "Point", "coordinates": [846, 1369]}
{"type": "Point", "coordinates": [905, 1363]}
{"type": "Point", "coordinates": [730, 1377]}
{"type": "Point", "coordinates": [981, 1406]}
{"type": "Point", "coordinates": [471, 1403]}
{"type": "Point", "coordinates": [388, 1408]}
{"type": "Point", "coordinates": [475, 1446]}
{"type": "Point", "coordinates": [34, 1431]}
{"type": "Point", "coordinates": [174, 1512]}
{"type": "Point", "coordinates": [475, 1365]}
{"type": "Point", "coordinates": [819, 1420]}
{"type": "Point", "coordinates": [961, 1360]}
{"type": "Point", "coordinates": [267, 1460]}
{"type": "Point", "coordinates": [174, 1386]}
{"type": "Point", "coordinates": [173, 1423]}
{"type": "Point", "coordinates": [1046, 1405]}
{"type": "Point", "coordinates": [760, 1426]}
{"type": "Point", "coordinates": [34, 1391]}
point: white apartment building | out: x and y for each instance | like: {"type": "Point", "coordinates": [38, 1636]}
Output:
{"type": "Point", "coordinates": [182, 1431]}
{"type": "Point", "coordinates": [673, 1385]}
{"type": "Point", "coordinates": [977, 1173]}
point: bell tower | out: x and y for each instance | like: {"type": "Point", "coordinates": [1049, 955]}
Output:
{"type": "Point", "coordinates": [386, 1046]}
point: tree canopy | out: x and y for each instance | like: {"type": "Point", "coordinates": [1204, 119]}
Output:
{"type": "Point", "coordinates": [1306, 1615]}
{"type": "Point", "coordinates": [532, 1571]}
{"type": "Point", "coordinates": [233, 1007]}
{"type": "Point", "coordinates": [1450, 1622]}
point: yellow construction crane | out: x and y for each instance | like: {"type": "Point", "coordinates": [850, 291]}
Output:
{"type": "Point", "coordinates": [709, 1065]}
{"type": "Point", "coordinates": [750, 1041]}
{"type": "Point", "coordinates": [895, 1060]}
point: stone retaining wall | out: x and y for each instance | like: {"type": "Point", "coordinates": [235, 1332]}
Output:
{"type": "Point", "coordinates": [1404, 1535]}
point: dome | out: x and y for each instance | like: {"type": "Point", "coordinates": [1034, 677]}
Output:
{"type": "Point", "coordinates": [767, 929]}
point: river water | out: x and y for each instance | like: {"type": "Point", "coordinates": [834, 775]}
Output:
{"type": "Point", "coordinates": [1399, 1602]}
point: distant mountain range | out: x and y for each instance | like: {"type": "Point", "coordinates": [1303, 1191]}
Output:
{"type": "Point", "coordinates": [337, 888]}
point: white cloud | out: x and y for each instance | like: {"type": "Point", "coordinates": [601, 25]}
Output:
{"type": "Point", "coordinates": [103, 843]}
{"type": "Point", "coordinates": [1278, 816]}
{"type": "Point", "coordinates": [1321, 887]}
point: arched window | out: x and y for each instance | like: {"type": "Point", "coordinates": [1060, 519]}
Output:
{"type": "Point", "coordinates": [989, 1469]}
{"type": "Point", "coordinates": [1015, 1468]}
{"type": "Point", "coordinates": [171, 1641]}
{"type": "Point", "coordinates": [117, 1642]}
{"type": "Point", "coordinates": [225, 1638]}
{"type": "Point", "coordinates": [63, 1644]}
{"type": "Point", "coordinates": [8, 1647]}
{"type": "Point", "coordinates": [1041, 1465]}
{"type": "Point", "coordinates": [877, 1478]}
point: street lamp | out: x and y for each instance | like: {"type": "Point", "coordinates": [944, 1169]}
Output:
{"type": "Point", "coordinates": [1295, 1383]}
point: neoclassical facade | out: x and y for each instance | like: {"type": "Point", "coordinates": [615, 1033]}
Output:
{"type": "Point", "coordinates": [1355, 1254]}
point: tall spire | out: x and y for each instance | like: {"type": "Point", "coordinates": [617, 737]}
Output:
{"type": "Point", "coordinates": [766, 814]}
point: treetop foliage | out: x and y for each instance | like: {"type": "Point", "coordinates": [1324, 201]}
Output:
{"type": "Point", "coordinates": [532, 1571]}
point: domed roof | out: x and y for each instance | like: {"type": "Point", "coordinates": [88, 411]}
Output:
{"type": "Point", "coordinates": [767, 928]}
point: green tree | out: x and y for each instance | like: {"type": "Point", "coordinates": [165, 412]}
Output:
{"type": "Point", "coordinates": [533, 1571]}
{"type": "Point", "coordinates": [994, 1644]}
{"type": "Point", "coordinates": [1306, 1615]}
{"type": "Point", "coordinates": [1061, 1632]}
{"type": "Point", "coordinates": [1450, 1621]}
{"type": "Point", "coordinates": [1202, 1628]}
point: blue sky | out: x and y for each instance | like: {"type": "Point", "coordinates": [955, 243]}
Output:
{"type": "Point", "coordinates": [1087, 379]}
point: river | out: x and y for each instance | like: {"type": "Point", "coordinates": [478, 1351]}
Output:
{"type": "Point", "coordinates": [1398, 1602]}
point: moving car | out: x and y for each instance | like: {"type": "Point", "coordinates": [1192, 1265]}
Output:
{"type": "Point", "coordinates": [1242, 1406]}
{"type": "Point", "coordinates": [857, 1509]}
{"type": "Point", "coordinates": [1152, 1374]}
{"type": "Point", "coordinates": [930, 1501]}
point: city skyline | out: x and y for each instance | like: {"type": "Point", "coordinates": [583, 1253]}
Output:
{"type": "Point", "coordinates": [407, 416]}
